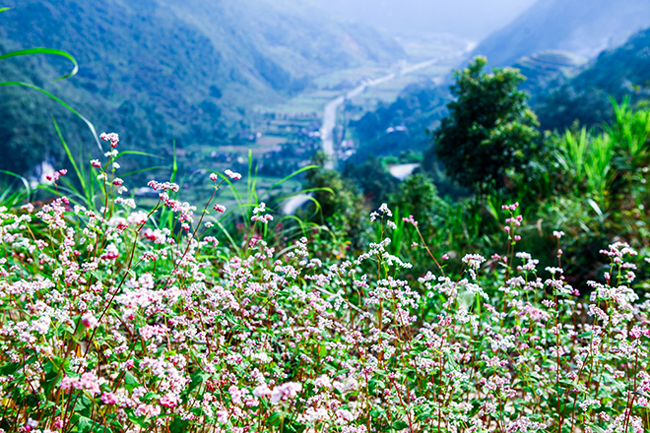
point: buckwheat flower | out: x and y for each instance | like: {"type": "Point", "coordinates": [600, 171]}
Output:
{"type": "Point", "coordinates": [68, 383]}
{"type": "Point", "coordinates": [236, 394]}
{"type": "Point", "coordinates": [109, 398]}
{"type": "Point", "coordinates": [42, 325]}
{"type": "Point", "coordinates": [209, 224]}
{"type": "Point", "coordinates": [233, 175]}
{"type": "Point", "coordinates": [284, 392]}
{"type": "Point", "coordinates": [110, 253]}
{"type": "Point", "coordinates": [95, 163]}
{"type": "Point", "coordinates": [90, 383]}
{"type": "Point", "coordinates": [214, 177]}
{"type": "Point", "coordinates": [148, 410]}
{"type": "Point", "coordinates": [410, 220]}
{"type": "Point", "coordinates": [262, 391]}
{"type": "Point", "coordinates": [473, 260]}
{"type": "Point", "coordinates": [219, 208]}
{"type": "Point", "coordinates": [101, 176]}
{"type": "Point", "coordinates": [169, 400]}
{"type": "Point", "coordinates": [414, 245]}
{"type": "Point", "coordinates": [112, 137]}
{"type": "Point", "coordinates": [89, 321]}
{"type": "Point", "coordinates": [384, 209]}
{"type": "Point", "coordinates": [137, 218]}
{"type": "Point", "coordinates": [29, 208]}
{"type": "Point", "coordinates": [558, 234]}
{"type": "Point", "coordinates": [511, 207]}
{"type": "Point", "coordinates": [345, 414]}
{"type": "Point", "coordinates": [118, 182]}
{"type": "Point", "coordinates": [391, 224]}
{"type": "Point", "coordinates": [635, 332]}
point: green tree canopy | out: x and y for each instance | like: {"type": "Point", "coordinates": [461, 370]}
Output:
{"type": "Point", "coordinates": [490, 131]}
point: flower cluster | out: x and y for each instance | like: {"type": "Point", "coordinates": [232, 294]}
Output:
{"type": "Point", "coordinates": [259, 214]}
{"type": "Point", "coordinates": [114, 320]}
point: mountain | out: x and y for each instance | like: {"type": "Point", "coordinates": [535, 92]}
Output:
{"type": "Point", "coordinates": [550, 43]}
{"type": "Point", "coordinates": [582, 27]}
{"type": "Point", "coordinates": [619, 73]}
{"type": "Point", "coordinates": [154, 70]}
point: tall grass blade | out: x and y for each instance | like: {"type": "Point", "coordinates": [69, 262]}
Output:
{"type": "Point", "coordinates": [32, 51]}
{"type": "Point", "coordinates": [80, 174]}
{"type": "Point", "coordinates": [49, 95]}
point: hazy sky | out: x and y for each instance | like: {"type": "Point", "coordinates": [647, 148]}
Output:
{"type": "Point", "coordinates": [472, 19]}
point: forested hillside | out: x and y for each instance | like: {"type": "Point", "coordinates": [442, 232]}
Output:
{"type": "Point", "coordinates": [158, 70]}
{"type": "Point", "coordinates": [621, 72]}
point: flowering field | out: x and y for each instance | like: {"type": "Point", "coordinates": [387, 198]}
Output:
{"type": "Point", "coordinates": [122, 319]}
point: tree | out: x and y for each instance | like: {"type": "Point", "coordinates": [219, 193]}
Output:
{"type": "Point", "coordinates": [418, 196]}
{"type": "Point", "coordinates": [340, 203]}
{"type": "Point", "coordinates": [490, 132]}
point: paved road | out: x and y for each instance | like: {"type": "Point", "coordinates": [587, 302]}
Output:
{"type": "Point", "coordinates": [329, 115]}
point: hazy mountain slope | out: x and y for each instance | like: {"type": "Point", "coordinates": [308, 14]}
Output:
{"type": "Point", "coordinates": [624, 71]}
{"type": "Point", "coordinates": [157, 69]}
{"type": "Point", "coordinates": [583, 27]}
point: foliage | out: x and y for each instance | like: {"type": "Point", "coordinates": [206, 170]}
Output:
{"type": "Point", "coordinates": [373, 179]}
{"type": "Point", "coordinates": [113, 322]}
{"type": "Point", "coordinates": [489, 131]}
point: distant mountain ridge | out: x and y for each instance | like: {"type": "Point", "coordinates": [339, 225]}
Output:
{"type": "Point", "coordinates": [158, 69]}
{"type": "Point", "coordinates": [582, 27]}
{"type": "Point", "coordinates": [619, 73]}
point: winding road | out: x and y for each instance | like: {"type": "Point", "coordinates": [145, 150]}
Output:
{"type": "Point", "coordinates": [329, 114]}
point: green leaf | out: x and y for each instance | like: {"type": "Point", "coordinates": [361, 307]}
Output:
{"type": "Point", "coordinates": [4, 9]}
{"type": "Point", "coordinates": [178, 426]}
{"type": "Point", "coordinates": [275, 419]}
{"type": "Point", "coordinates": [130, 379]}
{"type": "Point", "coordinates": [80, 174]}
{"type": "Point", "coordinates": [84, 425]}
{"type": "Point", "coordinates": [32, 51]}
{"type": "Point", "coordinates": [400, 425]}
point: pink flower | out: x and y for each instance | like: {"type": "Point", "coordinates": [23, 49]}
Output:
{"type": "Point", "coordinates": [95, 163]}
{"type": "Point", "coordinates": [112, 137]}
{"type": "Point", "coordinates": [118, 182]}
{"type": "Point", "coordinates": [286, 391]}
{"type": "Point", "coordinates": [231, 174]}
{"type": "Point", "coordinates": [219, 208]}
{"type": "Point", "coordinates": [149, 410]}
{"type": "Point", "coordinates": [89, 320]}
{"type": "Point", "coordinates": [410, 220]}
{"type": "Point", "coordinates": [169, 400]}
{"type": "Point", "coordinates": [214, 177]}
{"type": "Point", "coordinates": [262, 391]}
{"type": "Point", "coordinates": [109, 398]}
